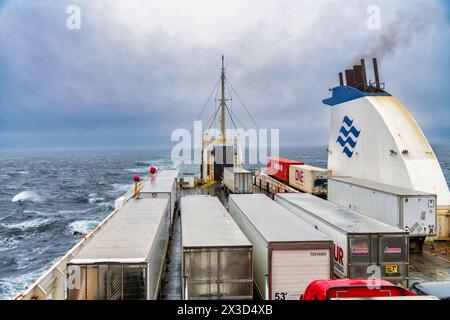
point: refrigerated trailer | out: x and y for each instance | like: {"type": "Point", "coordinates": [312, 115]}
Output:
{"type": "Point", "coordinates": [238, 180]}
{"type": "Point", "coordinates": [363, 246]}
{"type": "Point", "coordinates": [309, 179]}
{"type": "Point", "coordinates": [217, 256]}
{"type": "Point", "coordinates": [163, 185]}
{"type": "Point", "coordinates": [125, 260]}
{"type": "Point", "coordinates": [288, 254]}
{"type": "Point", "coordinates": [410, 210]}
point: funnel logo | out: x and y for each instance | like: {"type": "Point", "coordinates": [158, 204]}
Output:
{"type": "Point", "coordinates": [348, 137]}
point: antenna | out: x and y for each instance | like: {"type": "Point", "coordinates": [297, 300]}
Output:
{"type": "Point", "coordinates": [222, 102]}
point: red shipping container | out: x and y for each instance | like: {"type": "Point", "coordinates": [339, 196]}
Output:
{"type": "Point", "coordinates": [279, 168]}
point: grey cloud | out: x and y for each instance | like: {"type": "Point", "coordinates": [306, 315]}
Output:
{"type": "Point", "coordinates": [144, 68]}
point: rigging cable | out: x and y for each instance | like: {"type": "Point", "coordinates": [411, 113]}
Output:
{"type": "Point", "coordinates": [231, 108]}
{"type": "Point", "coordinates": [243, 105]}
{"type": "Point", "coordinates": [207, 102]}
{"type": "Point", "coordinates": [214, 114]}
{"type": "Point", "coordinates": [234, 124]}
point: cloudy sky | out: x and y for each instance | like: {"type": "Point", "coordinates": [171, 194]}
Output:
{"type": "Point", "coordinates": [137, 70]}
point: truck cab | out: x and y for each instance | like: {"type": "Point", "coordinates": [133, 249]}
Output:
{"type": "Point", "coordinates": [353, 288]}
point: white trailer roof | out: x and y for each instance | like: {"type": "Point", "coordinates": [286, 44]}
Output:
{"type": "Point", "coordinates": [273, 222]}
{"type": "Point", "coordinates": [237, 169]}
{"type": "Point", "coordinates": [158, 185]}
{"type": "Point", "coordinates": [206, 223]}
{"type": "Point", "coordinates": [377, 186]}
{"type": "Point", "coordinates": [342, 218]}
{"type": "Point", "coordinates": [128, 236]}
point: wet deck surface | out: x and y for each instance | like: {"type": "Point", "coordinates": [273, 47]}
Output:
{"type": "Point", "coordinates": [171, 288]}
{"type": "Point", "coordinates": [431, 265]}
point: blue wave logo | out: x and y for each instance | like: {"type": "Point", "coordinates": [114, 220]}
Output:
{"type": "Point", "coordinates": [348, 137]}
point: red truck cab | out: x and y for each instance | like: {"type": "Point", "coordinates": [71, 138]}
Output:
{"type": "Point", "coordinates": [352, 288]}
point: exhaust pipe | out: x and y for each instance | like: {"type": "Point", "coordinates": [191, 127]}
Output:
{"type": "Point", "coordinates": [350, 77]}
{"type": "Point", "coordinates": [357, 72]}
{"type": "Point", "coordinates": [375, 70]}
{"type": "Point", "coordinates": [364, 74]}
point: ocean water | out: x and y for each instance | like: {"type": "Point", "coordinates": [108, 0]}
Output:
{"type": "Point", "coordinates": [49, 200]}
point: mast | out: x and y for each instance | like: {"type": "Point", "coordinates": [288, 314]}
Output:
{"type": "Point", "coordinates": [222, 103]}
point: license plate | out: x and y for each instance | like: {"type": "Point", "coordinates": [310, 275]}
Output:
{"type": "Point", "coordinates": [391, 268]}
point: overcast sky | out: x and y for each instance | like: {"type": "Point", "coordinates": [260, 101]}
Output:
{"type": "Point", "coordinates": [137, 70]}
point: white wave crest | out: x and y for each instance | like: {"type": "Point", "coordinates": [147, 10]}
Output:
{"type": "Point", "coordinates": [33, 223]}
{"type": "Point", "coordinates": [117, 187]}
{"type": "Point", "coordinates": [82, 226]}
{"type": "Point", "coordinates": [93, 198]}
{"type": "Point", "coordinates": [74, 211]}
{"type": "Point", "coordinates": [34, 212]}
{"type": "Point", "coordinates": [137, 170]}
{"type": "Point", "coordinates": [27, 196]}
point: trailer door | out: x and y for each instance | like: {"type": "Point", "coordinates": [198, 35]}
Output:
{"type": "Point", "coordinates": [393, 253]}
{"type": "Point", "coordinates": [419, 216]}
{"type": "Point", "coordinates": [294, 270]}
{"type": "Point", "coordinates": [362, 253]}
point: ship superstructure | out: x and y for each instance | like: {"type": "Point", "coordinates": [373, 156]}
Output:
{"type": "Point", "coordinates": [374, 137]}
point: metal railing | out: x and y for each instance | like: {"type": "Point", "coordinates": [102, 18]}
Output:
{"type": "Point", "coordinates": [265, 182]}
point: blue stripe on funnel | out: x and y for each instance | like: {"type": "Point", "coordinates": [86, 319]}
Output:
{"type": "Point", "coordinates": [343, 94]}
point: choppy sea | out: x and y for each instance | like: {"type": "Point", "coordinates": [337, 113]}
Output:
{"type": "Point", "coordinates": [49, 200]}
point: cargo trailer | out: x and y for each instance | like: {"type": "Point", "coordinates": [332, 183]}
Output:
{"type": "Point", "coordinates": [124, 261]}
{"type": "Point", "coordinates": [163, 185]}
{"type": "Point", "coordinates": [363, 246]}
{"type": "Point", "coordinates": [411, 210]}
{"type": "Point", "coordinates": [216, 255]}
{"type": "Point", "coordinates": [279, 168]}
{"type": "Point", "coordinates": [309, 179]}
{"type": "Point", "coordinates": [288, 253]}
{"type": "Point", "coordinates": [238, 180]}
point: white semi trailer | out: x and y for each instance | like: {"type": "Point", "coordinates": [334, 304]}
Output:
{"type": "Point", "coordinates": [410, 210]}
{"type": "Point", "coordinates": [216, 257]}
{"type": "Point", "coordinates": [288, 254]}
{"type": "Point", "coordinates": [125, 261]}
{"type": "Point", "coordinates": [363, 246]}
{"type": "Point", "coordinates": [164, 185]}
{"type": "Point", "coordinates": [238, 180]}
